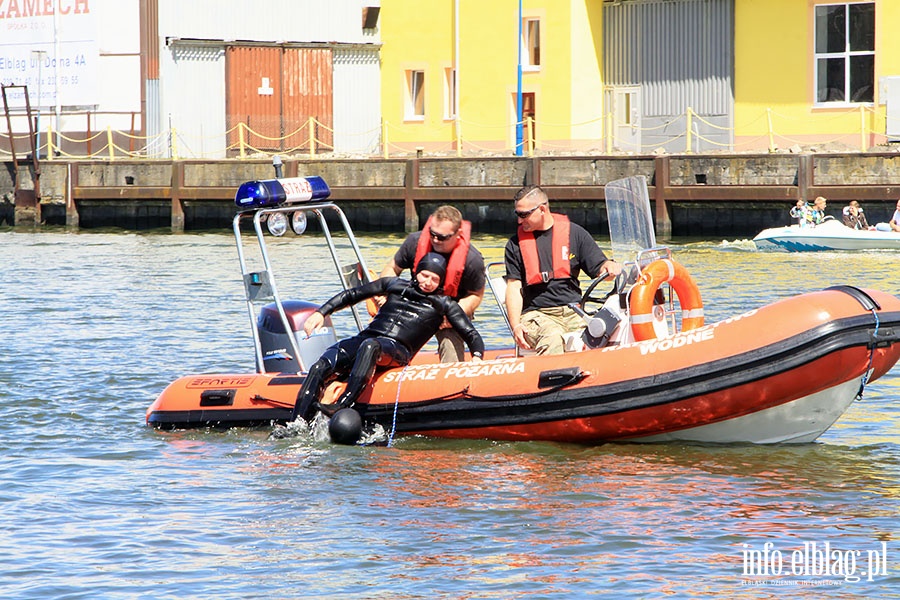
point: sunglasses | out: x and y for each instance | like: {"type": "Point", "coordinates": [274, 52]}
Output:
{"type": "Point", "coordinates": [524, 214]}
{"type": "Point", "coordinates": [441, 237]}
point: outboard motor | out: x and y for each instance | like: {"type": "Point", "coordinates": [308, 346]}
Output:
{"type": "Point", "coordinates": [276, 345]}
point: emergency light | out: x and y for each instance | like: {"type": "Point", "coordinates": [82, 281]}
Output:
{"type": "Point", "coordinates": [272, 192]}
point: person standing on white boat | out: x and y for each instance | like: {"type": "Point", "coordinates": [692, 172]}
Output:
{"type": "Point", "coordinates": [446, 233]}
{"type": "Point", "coordinates": [543, 260]}
{"type": "Point", "coordinates": [854, 217]}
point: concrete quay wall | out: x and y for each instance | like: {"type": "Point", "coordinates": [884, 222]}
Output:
{"type": "Point", "coordinates": [691, 195]}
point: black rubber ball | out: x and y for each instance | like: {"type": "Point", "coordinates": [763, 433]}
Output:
{"type": "Point", "coordinates": [345, 427]}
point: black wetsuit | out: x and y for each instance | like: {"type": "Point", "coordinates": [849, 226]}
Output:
{"type": "Point", "coordinates": [402, 326]}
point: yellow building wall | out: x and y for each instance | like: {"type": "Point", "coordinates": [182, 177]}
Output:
{"type": "Point", "coordinates": [587, 73]}
{"type": "Point", "coordinates": [419, 35]}
{"type": "Point", "coordinates": [774, 78]}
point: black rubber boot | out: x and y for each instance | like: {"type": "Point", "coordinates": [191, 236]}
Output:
{"type": "Point", "coordinates": [312, 388]}
{"type": "Point", "coordinates": [360, 375]}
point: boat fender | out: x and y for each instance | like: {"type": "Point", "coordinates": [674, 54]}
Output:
{"type": "Point", "coordinates": [345, 427]}
{"type": "Point", "coordinates": [859, 295]}
{"type": "Point", "coordinates": [644, 293]}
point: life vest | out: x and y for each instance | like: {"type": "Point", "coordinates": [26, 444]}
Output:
{"type": "Point", "coordinates": [457, 262]}
{"type": "Point", "coordinates": [562, 268]}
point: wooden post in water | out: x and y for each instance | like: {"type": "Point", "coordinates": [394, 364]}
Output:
{"type": "Point", "coordinates": [177, 219]}
{"type": "Point", "coordinates": [410, 216]}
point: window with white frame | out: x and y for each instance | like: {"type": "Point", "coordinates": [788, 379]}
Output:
{"type": "Point", "coordinates": [450, 93]}
{"type": "Point", "coordinates": [531, 43]}
{"type": "Point", "coordinates": [415, 95]}
{"type": "Point", "coordinates": [845, 52]}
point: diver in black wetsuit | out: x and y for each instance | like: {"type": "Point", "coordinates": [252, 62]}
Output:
{"type": "Point", "coordinates": [412, 314]}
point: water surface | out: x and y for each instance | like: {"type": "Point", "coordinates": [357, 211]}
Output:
{"type": "Point", "coordinates": [96, 505]}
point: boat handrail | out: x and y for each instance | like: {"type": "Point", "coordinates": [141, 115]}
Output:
{"type": "Point", "coordinates": [648, 255]}
{"type": "Point", "coordinates": [497, 285]}
{"type": "Point", "coordinates": [261, 285]}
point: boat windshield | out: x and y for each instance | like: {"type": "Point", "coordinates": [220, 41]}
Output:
{"type": "Point", "coordinates": [630, 222]}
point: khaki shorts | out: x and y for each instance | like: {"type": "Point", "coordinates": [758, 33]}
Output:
{"type": "Point", "coordinates": [544, 328]}
{"type": "Point", "coordinates": [451, 346]}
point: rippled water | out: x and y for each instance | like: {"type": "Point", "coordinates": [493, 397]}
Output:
{"type": "Point", "coordinates": [97, 505]}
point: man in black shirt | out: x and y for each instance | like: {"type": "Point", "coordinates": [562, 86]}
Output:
{"type": "Point", "coordinates": [543, 260]}
{"type": "Point", "coordinates": [447, 234]}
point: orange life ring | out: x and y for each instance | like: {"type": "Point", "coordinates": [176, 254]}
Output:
{"type": "Point", "coordinates": [642, 296]}
{"type": "Point", "coordinates": [371, 306]}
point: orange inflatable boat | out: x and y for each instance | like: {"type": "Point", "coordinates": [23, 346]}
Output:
{"type": "Point", "coordinates": [646, 369]}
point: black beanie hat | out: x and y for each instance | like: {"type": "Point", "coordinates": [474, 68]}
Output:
{"type": "Point", "coordinates": [433, 262]}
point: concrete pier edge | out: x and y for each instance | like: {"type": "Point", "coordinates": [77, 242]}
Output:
{"type": "Point", "coordinates": [692, 195]}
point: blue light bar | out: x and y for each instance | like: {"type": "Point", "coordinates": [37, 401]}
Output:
{"type": "Point", "coordinates": [272, 192]}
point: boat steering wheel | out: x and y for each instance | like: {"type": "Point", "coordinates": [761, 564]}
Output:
{"type": "Point", "coordinates": [588, 298]}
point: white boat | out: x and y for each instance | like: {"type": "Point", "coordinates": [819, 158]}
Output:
{"type": "Point", "coordinates": [830, 235]}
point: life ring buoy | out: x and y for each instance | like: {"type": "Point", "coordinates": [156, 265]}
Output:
{"type": "Point", "coordinates": [642, 296]}
{"type": "Point", "coordinates": [372, 307]}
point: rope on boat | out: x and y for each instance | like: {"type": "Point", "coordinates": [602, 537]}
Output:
{"type": "Point", "coordinates": [868, 303]}
{"type": "Point", "coordinates": [465, 394]}
{"type": "Point", "coordinates": [865, 377]}
{"type": "Point", "coordinates": [396, 408]}
{"type": "Point", "coordinates": [279, 403]}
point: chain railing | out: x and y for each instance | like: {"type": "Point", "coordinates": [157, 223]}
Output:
{"type": "Point", "coordinates": [315, 139]}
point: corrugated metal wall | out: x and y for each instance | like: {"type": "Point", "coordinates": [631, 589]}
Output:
{"type": "Point", "coordinates": [275, 91]}
{"type": "Point", "coordinates": [681, 54]}
{"type": "Point", "coordinates": [357, 100]}
{"type": "Point", "coordinates": [195, 100]}
{"type": "Point", "coordinates": [308, 50]}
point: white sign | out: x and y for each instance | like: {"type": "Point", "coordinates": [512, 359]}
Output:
{"type": "Point", "coordinates": [51, 47]}
{"type": "Point", "coordinates": [265, 88]}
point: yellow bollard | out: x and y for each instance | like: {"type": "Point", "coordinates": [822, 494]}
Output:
{"type": "Point", "coordinates": [609, 133]}
{"type": "Point", "coordinates": [109, 143]}
{"type": "Point", "coordinates": [529, 128]}
{"type": "Point", "coordinates": [312, 137]}
{"type": "Point", "coordinates": [49, 143]}
{"type": "Point", "coordinates": [771, 132]}
{"type": "Point", "coordinates": [689, 130]}
{"type": "Point", "coordinates": [174, 144]}
{"type": "Point", "coordinates": [241, 140]}
{"type": "Point", "coordinates": [862, 129]}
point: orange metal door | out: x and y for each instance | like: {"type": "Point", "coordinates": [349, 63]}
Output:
{"type": "Point", "coordinates": [274, 91]}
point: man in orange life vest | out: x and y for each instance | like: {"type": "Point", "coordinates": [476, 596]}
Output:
{"type": "Point", "coordinates": [446, 233]}
{"type": "Point", "coordinates": [547, 254]}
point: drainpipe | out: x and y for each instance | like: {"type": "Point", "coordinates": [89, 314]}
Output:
{"type": "Point", "coordinates": [456, 78]}
{"type": "Point", "coordinates": [519, 124]}
{"type": "Point", "coordinates": [57, 107]}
